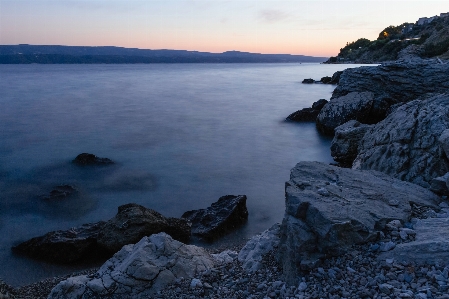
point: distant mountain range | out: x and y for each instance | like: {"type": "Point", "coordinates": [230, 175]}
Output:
{"type": "Point", "coordinates": [25, 54]}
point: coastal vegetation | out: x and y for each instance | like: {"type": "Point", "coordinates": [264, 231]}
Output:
{"type": "Point", "coordinates": [431, 39]}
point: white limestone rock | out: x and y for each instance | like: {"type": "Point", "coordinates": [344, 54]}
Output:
{"type": "Point", "coordinates": [138, 270]}
{"type": "Point", "coordinates": [251, 254]}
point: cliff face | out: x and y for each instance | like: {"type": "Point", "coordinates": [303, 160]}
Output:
{"type": "Point", "coordinates": [425, 40]}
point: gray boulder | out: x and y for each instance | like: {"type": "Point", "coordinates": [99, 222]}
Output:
{"type": "Point", "coordinates": [223, 216]}
{"type": "Point", "coordinates": [409, 143]}
{"type": "Point", "coordinates": [439, 185]}
{"type": "Point", "coordinates": [431, 244]}
{"type": "Point", "coordinates": [328, 209]}
{"type": "Point", "coordinates": [389, 83]}
{"type": "Point", "coordinates": [345, 145]}
{"type": "Point", "coordinates": [133, 222]}
{"type": "Point", "coordinates": [353, 106]}
{"type": "Point", "coordinates": [138, 270]}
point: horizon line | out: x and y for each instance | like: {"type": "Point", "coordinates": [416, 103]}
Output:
{"type": "Point", "coordinates": [58, 45]}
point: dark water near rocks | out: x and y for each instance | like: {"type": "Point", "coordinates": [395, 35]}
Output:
{"type": "Point", "coordinates": [182, 136]}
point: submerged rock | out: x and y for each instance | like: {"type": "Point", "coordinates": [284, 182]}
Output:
{"type": "Point", "coordinates": [86, 159]}
{"type": "Point", "coordinates": [223, 216]}
{"type": "Point", "coordinates": [60, 192]}
{"type": "Point", "coordinates": [355, 206]}
{"type": "Point", "coordinates": [409, 143]}
{"type": "Point", "coordinates": [78, 243]}
{"type": "Point", "coordinates": [139, 270]}
{"type": "Point", "coordinates": [308, 81]}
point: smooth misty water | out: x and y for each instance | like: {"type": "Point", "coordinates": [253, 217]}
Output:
{"type": "Point", "coordinates": [182, 136]}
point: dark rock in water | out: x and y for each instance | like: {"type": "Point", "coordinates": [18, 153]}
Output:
{"type": "Point", "coordinates": [223, 216]}
{"type": "Point", "coordinates": [345, 145]}
{"type": "Point", "coordinates": [329, 209]}
{"type": "Point", "coordinates": [409, 143]}
{"type": "Point", "coordinates": [318, 105]}
{"type": "Point", "coordinates": [336, 77]}
{"type": "Point", "coordinates": [64, 247]}
{"type": "Point", "coordinates": [307, 114]}
{"type": "Point", "coordinates": [85, 159]}
{"type": "Point", "coordinates": [102, 239]}
{"type": "Point", "coordinates": [308, 81]}
{"type": "Point", "coordinates": [60, 192]}
{"type": "Point", "coordinates": [326, 80]}
{"type": "Point", "coordinates": [133, 222]}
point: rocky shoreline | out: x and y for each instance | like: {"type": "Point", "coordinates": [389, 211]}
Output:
{"type": "Point", "coordinates": [376, 228]}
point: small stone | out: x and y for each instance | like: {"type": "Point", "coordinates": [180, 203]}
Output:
{"type": "Point", "coordinates": [302, 286]}
{"type": "Point", "coordinates": [386, 288]}
{"type": "Point", "coordinates": [196, 283]}
{"type": "Point", "coordinates": [393, 202]}
{"type": "Point", "coordinates": [323, 192]}
{"type": "Point", "coordinates": [387, 246]}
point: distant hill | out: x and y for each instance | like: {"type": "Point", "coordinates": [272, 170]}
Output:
{"type": "Point", "coordinates": [23, 54]}
{"type": "Point", "coordinates": [427, 38]}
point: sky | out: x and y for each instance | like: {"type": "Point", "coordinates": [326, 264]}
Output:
{"type": "Point", "coordinates": [315, 28]}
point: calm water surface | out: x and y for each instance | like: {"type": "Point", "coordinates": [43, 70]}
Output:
{"type": "Point", "coordinates": [182, 136]}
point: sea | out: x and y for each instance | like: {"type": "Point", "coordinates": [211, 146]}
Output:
{"type": "Point", "coordinates": [182, 136]}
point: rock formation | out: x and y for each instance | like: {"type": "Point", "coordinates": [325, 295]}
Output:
{"type": "Point", "coordinates": [307, 114]}
{"type": "Point", "coordinates": [345, 145]}
{"type": "Point", "coordinates": [406, 144]}
{"type": "Point", "coordinates": [102, 239]}
{"type": "Point", "coordinates": [353, 106]}
{"type": "Point", "coordinates": [329, 208]}
{"type": "Point", "coordinates": [138, 270]}
{"type": "Point", "coordinates": [389, 83]}
{"type": "Point", "coordinates": [133, 222]}
{"type": "Point", "coordinates": [223, 216]}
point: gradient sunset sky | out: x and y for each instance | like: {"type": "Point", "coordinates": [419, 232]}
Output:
{"type": "Point", "coordinates": [317, 28]}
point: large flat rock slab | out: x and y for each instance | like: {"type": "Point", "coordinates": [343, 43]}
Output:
{"type": "Point", "coordinates": [431, 244]}
{"type": "Point", "coordinates": [328, 209]}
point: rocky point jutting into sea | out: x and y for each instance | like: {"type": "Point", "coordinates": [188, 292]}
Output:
{"type": "Point", "coordinates": [376, 228]}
